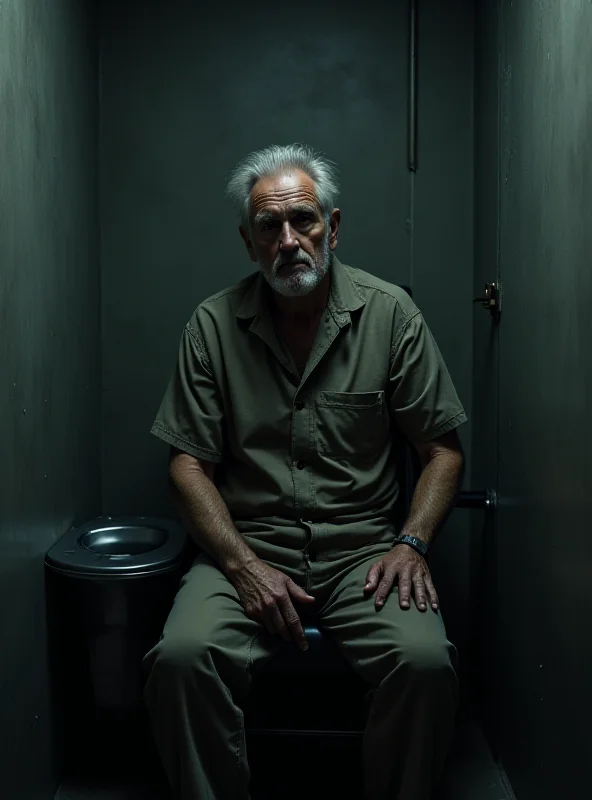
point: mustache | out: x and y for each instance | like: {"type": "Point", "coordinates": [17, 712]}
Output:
{"type": "Point", "coordinates": [300, 256]}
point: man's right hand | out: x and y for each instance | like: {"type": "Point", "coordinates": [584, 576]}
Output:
{"type": "Point", "coordinates": [266, 595]}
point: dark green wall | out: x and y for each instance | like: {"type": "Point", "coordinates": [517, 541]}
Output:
{"type": "Point", "coordinates": [540, 560]}
{"type": "Point", "coordinates": [49, 349]}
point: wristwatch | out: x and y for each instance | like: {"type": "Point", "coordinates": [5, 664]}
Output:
{"type": "Point", "coordinates": [419, 546]}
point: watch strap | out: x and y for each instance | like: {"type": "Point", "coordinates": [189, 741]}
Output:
{"type": "Point", "coordinates": [419, 546]}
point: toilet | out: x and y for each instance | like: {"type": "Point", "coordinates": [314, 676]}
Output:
{"type": "Point", "coordinates": [111, 583]}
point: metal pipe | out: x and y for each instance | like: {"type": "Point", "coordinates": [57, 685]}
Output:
{"type": "Point", "coordinates": [485, 499]}
{"type": "Point", "coordinates": [412, 94]}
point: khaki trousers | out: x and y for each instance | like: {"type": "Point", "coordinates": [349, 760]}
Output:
{"type": "Point", "coordinates": [200, 671]}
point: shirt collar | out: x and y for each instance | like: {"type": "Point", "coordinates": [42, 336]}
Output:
{"type": "Point", "coordinates": [344, 296]}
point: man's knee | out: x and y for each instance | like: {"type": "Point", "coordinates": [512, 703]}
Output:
{"type": "Point", "coordinates": [427, 656]}
{"type": "Point", "coordinates": [423, 660]}
{"type": "Point", "coordinates": [178, 656]}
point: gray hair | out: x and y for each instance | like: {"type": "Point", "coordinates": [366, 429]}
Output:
{"type": "Point", "coordinates": [275, 160]}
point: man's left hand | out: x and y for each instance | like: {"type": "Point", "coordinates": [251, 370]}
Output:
{"type": "Point", "coordinates": [404, 565]}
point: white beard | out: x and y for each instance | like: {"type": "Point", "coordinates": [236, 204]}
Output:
{"type": "Point", "coordinates": [306, 277]}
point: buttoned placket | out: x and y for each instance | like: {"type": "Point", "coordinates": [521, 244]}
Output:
{"type": "Point", "coordinates": [302, 427]}
{"type": "Point", "coordinates": [303, 441]}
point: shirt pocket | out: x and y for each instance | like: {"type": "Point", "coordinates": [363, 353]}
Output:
{"type": "Point", "coordinates": [351, 425]}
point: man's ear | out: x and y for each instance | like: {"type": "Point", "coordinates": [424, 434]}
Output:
{"type": "Point", "coordinates": [334, 221]}
{"type": "Point", "coordinates": [248, 244]}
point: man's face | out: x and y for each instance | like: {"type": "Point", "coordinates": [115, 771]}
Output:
{"type": "Point", "coordinates": [289, 237]}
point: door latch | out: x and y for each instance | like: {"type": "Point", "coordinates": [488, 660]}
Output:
{"type": "Point", "coordinates": [492, 300]}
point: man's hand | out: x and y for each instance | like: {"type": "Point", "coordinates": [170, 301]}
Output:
{"type": "Point", "coordinates": [404, 564]}
{"type": "Point", "coordinates": [266, 595]}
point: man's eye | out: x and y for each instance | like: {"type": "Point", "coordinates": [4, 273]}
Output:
{"type": "Point", "coordinates": [269, 225]}
{"type": "Point", "coordinates": [304, 219]}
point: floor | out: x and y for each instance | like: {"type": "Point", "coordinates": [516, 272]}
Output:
{"type": "Point", "coordinates": [471, 775]}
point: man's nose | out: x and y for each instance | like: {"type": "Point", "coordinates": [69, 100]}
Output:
{"type": "Point", "coordinates": [287, 239]}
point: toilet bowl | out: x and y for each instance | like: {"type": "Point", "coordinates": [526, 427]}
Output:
{"type": "Point", "coordinates": [118, 547]}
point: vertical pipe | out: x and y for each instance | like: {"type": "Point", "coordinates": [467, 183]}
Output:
{"type": "Point", "coordinates": [412, 96]}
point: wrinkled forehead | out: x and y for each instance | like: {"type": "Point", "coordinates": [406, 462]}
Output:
{"type": "Point", "coordinates": [276, 194]}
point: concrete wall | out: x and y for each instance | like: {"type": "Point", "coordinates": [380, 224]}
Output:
{"type": "Point", "coordinates": [49, 349]}
{"type": "Point", "coordinates": [540, 604]}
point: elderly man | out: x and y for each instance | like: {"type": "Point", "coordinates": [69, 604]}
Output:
{"type": "Point", "coordinates": [281, 415]}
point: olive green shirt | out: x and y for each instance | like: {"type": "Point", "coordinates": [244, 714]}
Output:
{"type": "Point", "coordinates": [308, 460]}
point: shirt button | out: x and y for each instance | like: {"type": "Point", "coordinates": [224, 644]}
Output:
{"type": "Point", "coordinates": [299, 405]}
{"type": "Point", "coordinates": [300, 464]}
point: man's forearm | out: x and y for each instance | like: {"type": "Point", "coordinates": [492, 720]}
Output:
{"type": "Point", "coordinates": [434, 495]}
{"type": "Point", "coordinates": [207, 517]}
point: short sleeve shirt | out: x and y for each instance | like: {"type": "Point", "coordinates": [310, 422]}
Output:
{"type": "Point", "coordinates": [310, 452]}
